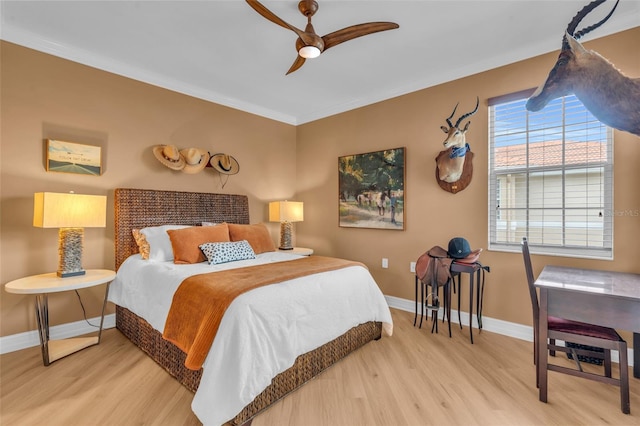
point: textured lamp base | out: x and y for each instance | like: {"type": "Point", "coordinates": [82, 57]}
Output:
{"type": "Point", "coordinates": [285, 236]}
{"type": "Point", "coordinates": [70, 252]}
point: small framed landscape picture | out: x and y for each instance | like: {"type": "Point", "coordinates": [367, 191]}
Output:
{"type": "Point", "coordinates": [70, 157]}
{"type": "Point", "coordinates": [371, 190]}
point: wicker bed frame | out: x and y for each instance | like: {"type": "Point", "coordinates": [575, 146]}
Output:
{"type": "Point", "coordinates": [138, 208]}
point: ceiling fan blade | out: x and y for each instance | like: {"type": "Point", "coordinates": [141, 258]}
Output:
{"type": "Point", "coordinates": [355, 31]}
{"type": "Point", "coordinates": [266, 13]}
{"type": "Point", "coordinates": [296, 64]}
{"type": "Point", "coordinates": [309, 39]}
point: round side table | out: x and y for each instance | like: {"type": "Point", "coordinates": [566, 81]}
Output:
{"type": "Point", "coordinates": [43, 284]}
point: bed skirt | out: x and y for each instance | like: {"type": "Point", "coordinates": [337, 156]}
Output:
{"type": "Point", "coordinates": [306, 366]}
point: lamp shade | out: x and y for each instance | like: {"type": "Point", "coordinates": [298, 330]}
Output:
{"type": "Point", "coordinates": [68, 210]}
{"type": "Point", "coordinates": [286, 211]}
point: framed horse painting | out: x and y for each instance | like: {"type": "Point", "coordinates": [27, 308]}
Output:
{"type": "Point", "coordinates": [371, 190]}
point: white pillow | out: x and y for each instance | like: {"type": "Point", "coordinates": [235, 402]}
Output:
{"type": "Point", "coordinates": [159, 243]}
{"type": "Point", "coordinates": [227, 251]}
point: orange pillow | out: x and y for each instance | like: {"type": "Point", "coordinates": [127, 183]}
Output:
{"type": "Point", "coordinates": [186, 242]}
{"type": "Point", "coordinates": [257, 235]}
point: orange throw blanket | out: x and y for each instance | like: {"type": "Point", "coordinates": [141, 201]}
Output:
{"type": "Point", "coordinates": [201, 300]}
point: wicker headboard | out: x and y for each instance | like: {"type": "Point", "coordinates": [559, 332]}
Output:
{"type": "Point", "coordinates": [139, 208]}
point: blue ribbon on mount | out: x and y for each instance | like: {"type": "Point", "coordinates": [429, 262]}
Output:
{"type": "Point", "coordinates": [458, 151]}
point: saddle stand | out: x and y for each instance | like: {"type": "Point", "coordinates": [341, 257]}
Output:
{"type": "Point", "coordinates": [433, 269]}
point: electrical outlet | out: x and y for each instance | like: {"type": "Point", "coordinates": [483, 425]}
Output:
{"type": "Point", "coordinates": [385, 262]}
{"type": "Point", "coordinates": [412, 267]}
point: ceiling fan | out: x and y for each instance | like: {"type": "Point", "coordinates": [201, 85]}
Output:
{"type": "Point", "coordinates": [311, 45]}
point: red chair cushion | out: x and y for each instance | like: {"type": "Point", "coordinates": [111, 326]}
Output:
{"type": "Point", "coordinates": [583, 329]}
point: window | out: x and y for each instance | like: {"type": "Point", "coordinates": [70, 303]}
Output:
{"type": "Point", "coordinates": [550, 178]}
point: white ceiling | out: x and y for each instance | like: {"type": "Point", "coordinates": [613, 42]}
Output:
{"type": "Point", "coordinates": [224, 52]}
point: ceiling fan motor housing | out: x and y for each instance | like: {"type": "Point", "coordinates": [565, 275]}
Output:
{"type": "Point", "coordinates": [308, 7]}
{"type": "Point", "coordinates": [317, 43]}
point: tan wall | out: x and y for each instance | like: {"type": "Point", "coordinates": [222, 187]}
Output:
{"type": "Point", "coordinates": [47, 97]}
{"type": "Point", "coordinates": [433, 216]}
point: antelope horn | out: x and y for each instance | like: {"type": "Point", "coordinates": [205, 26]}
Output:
{"type": "Point", "coordinates": [580, 15]}
{"type": "Point", "coordinates": [451, 116]}
{"type": "Point", "coordinates": [462, 117]}
{"type": "Point", "coordinates": [594, 26]}
{"type": "Point", "coordinates": [578, 18]}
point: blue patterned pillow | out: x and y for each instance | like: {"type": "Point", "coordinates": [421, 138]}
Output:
{"type": "Point", "coordinates": [227, 251]}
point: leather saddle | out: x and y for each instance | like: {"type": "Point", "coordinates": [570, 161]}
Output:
{"type": "Point", "coordinates": [434, 267]}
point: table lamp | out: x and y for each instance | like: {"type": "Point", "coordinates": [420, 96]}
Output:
{"type": "Point", "coordinates": [286, 212]}
{"type": "Point", "coordinates": [71, 213]}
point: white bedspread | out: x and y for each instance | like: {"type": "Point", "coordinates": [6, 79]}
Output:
{"type": "Point", "coordinates": [263, 331]}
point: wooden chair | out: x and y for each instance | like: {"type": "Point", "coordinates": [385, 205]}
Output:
{"type": "Point", "coordinates": [582, 334]}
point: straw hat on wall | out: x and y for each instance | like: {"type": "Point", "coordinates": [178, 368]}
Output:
{"type": "Point", "coordinates": [225, 164]}
{"type": "Point", "coordinates": [170, 156]}
{"type": "Point", "coordinates": [195, 159]}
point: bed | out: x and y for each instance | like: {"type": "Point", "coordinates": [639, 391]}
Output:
{"type": "Point", "coordinates": [140, 208]}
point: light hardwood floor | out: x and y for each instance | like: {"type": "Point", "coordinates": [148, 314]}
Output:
{"type": "Point", "coordinates": [412, 378]}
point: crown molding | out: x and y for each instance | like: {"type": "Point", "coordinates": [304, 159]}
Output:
{"type": "Point", "coordinates": [431, 80]}
{"type": "Point", "coordinates": [35, 42]}
{"type": "Point", "coordinates": [27, 39]}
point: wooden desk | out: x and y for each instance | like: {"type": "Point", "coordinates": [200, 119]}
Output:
{"type": "Point", "coordinates": [610, 299]}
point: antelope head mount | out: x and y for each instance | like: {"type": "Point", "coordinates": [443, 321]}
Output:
{"type": "Point", "coordinates": [607, 93]}
{"type": "Point", "coordinates": [451, 164]}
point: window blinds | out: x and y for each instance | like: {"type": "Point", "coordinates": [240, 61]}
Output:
{"type": "Point", "coordinates": [551, 178]}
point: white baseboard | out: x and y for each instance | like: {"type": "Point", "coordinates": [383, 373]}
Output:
{"type": "Point", "coordinates": [518, 331]}
{"type": "Point", "coordinates": [28, 339]}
